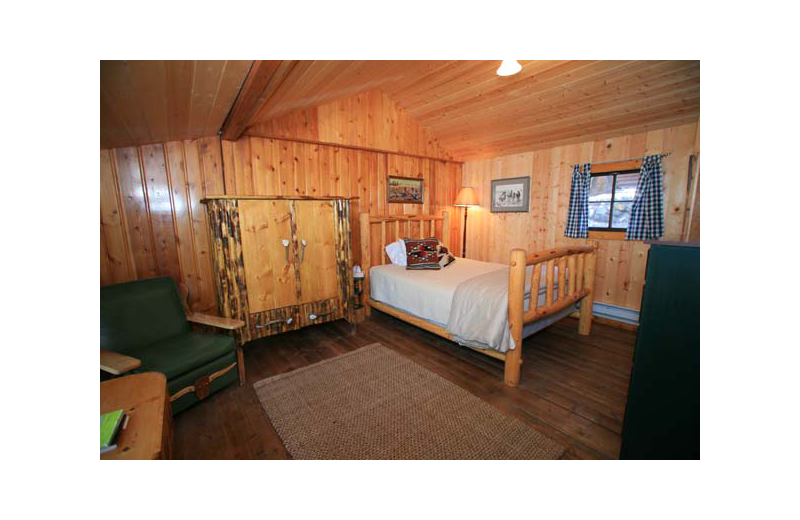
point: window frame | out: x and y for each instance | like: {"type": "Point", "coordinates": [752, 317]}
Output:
{"type": "Point", "coordinates": [613, 173]}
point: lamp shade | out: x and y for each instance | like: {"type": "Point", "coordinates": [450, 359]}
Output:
{"type": "Point", "coordinates": [466, 197]}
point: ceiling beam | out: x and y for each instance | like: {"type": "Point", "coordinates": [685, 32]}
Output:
{"type": "Point", "coordinates": [259, 85]}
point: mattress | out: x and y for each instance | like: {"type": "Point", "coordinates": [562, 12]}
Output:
{"type": "Point", "coordinates": [424, 293]}
{"type": "Point", "coordinates": [428, 294]}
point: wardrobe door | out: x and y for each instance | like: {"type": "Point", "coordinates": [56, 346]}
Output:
{"type": "Point", "coordinates": [266, 225]}
{"type": "Point", "coordinates": [317, 258]}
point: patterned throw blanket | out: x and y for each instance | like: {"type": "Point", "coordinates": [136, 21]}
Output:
{"type": "Point", "coordinates": [426, 253]}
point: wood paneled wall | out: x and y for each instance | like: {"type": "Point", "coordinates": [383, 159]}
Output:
{"type": "Point", "coordinates": [620, 264]}
{"type": "Point", "coordinates": [151, 220]}
{"type": "Point", "coordinates": [259, 166]}
{"type": "Point", "coordinates": [286, 164]}
{"type": "Point", "coordinates": [368, 120]}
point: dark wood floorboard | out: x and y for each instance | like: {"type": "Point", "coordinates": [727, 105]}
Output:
{"type": "Point", "coordinates": [573, 387]}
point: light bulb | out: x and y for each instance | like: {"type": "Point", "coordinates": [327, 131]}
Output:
{"type": "Point", "coordinates": [509, 68]}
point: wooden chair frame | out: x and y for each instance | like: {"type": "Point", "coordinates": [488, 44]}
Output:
{"type": "Point", "coordinates": [578, 259]}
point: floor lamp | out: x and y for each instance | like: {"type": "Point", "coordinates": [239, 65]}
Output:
{"type": "Point", "coordinates": [466, 198]}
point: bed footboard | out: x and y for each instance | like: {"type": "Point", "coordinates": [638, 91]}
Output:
{"type": "Point", "coordinates": [580, 261]}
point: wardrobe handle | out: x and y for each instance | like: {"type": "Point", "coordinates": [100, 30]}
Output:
{"type": "Point", "coordinates": [302, 250]}
{"type": "Point", "coordinates": [313, 317]}
{"type": "Point", "coordinates": [286, 248]}
{"type": "Point", "coordinates": [267, 324]}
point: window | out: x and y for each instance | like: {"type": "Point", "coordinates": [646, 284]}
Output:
{"type": "Point", "coordinates": [610, 200]}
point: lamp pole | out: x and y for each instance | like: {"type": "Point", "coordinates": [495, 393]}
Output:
{"type": "Point", "coordinates": [464, 240]}
{"type": "Point", "coordinates": [466, 198]}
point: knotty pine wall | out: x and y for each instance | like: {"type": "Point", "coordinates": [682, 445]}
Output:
{"type": "Point", "coordinates": [367, 120]}
{"type": "Point", "coordinates": [620, 263]}
{"type": "Point", "coordinates": [258, 166]}
{"type": "Point", "coordinates": [153, 224]}
{"type": "Point", "coordinates": [151, 220]}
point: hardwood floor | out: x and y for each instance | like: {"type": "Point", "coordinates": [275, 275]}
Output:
{"type": "Point", "coordinates": [573, 387]}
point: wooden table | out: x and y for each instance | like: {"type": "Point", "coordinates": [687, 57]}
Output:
{"type": "Point", "coordinates": [145, 400]}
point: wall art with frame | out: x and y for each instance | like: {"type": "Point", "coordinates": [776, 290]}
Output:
{"type": "Point", "coordinates": [406, 190]}
{"type": "Point", "coordinates": [511, 195]}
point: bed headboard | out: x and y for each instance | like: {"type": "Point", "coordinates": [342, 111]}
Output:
{"type": "Point", "coordinates": [377, 232]}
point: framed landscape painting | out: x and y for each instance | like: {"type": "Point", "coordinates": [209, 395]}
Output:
{"type": "Point", "coordinates": [511, 195]}
{"type": "Point", "coordinates": [406, 190]}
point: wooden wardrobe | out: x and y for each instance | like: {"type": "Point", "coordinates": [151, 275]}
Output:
{"type": "Point", "coordinates": [281, 263]}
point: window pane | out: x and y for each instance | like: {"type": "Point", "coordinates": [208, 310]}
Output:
{"type": "Point", "coordinates": [622, 214]}
{"type": "Point", "coordinates": [626, 187]}
{"type": "Point", "coordinates": [600, 189]}
{"type": "Point", "coordinates": [599, 213]}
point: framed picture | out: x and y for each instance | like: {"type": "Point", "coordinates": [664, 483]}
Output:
{"type": "Point", "coordinates": [406, 190]}
{"type": "Point", "coordinates": [511, 195]}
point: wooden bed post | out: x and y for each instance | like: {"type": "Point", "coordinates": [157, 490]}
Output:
{"type": "Point", "coordinates": [516, 303]}
{"type": "Point", "coordinates": [366, 261]}
{"type": "Point", "coordinates": [585, 319]}
{"type": "Point", "coordinates": [446, 230]}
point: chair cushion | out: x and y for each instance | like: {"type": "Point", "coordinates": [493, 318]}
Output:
{"type": "Point", "coordinates": [180, 354]}
{"type": "Point", "coordinates": [139, 313]}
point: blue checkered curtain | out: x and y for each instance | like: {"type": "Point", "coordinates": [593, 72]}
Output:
{"type": "Point", "coordinates": [647, 212]}
{"type": "Point", "coordinates": [578, 213]}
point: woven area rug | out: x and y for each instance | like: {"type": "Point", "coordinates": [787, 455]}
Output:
{"type": "Point", "coordinates": [373, 403]}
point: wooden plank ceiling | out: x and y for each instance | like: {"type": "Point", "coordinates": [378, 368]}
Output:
{"type": "Point", "coordinates": [464, 104]}
{"type": "Point", "coordinates": [145, 102]}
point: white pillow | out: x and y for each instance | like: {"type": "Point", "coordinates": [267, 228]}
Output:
{"type": "Point", "coordinates": [397, 252]}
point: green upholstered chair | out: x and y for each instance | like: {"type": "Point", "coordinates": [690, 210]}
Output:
{"type": "Point", "coordinates": [144, 327]}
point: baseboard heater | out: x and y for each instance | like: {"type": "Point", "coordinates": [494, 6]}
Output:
{"type": "Point", "coordinates": [608, 311]}
{"type": "Point", "coordinates": [613, 312]}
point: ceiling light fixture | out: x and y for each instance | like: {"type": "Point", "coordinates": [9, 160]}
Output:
{"type": "Point", "coordinates": [509, 68]}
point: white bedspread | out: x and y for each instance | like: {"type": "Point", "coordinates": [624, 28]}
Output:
{"type": "Point", "coordinates": [486, 323]}
{"type": "Point", "coordinates": [428, 294]}
{"type": "Point", "coordinates": [424, 293]}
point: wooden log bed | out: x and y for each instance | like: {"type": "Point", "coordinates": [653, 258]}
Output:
{"type": "Point", "coordinates": [580, 259]}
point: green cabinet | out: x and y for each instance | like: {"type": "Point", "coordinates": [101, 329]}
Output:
{"type": "Point", "coordinates": [662, 416]}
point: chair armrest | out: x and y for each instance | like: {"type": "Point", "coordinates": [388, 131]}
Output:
{"type": "Point", "coordinates": [116, 363]}
{"type": "Point", "coordinates": [215, 321]}
{"type": "Point", "coordinates": [205, 319]}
